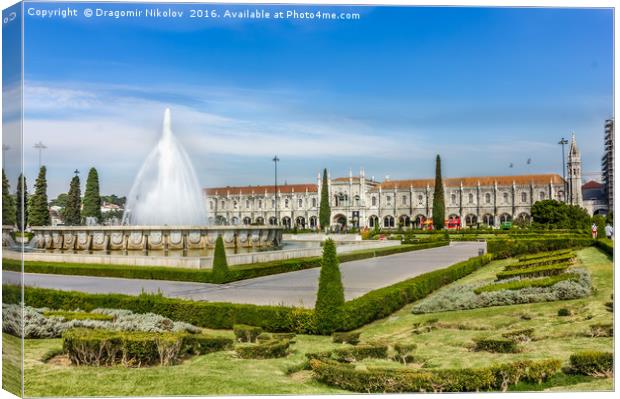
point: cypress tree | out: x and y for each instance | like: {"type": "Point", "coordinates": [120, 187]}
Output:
{"type": "Point", "coordinates": [39, 212]}
{"type": "Point", "coordinates": [74, 203]}
{"type": "Point", "coordinates": [220, 264]}
{"type": "Point", "coordinates": [21, 203]}
{"type": "Point", "coordinates": [439, 207]}
{"type": "Point", "coordinates": [330, 296]}
{"type": "Point", "coordinates": [8, 203]}
{"type": "Point", "coordinates": [92, 199]}
{"type": "Point", "coordinates": [324, 209]}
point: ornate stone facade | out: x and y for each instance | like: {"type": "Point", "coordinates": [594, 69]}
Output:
{"type": "Point", "coordinates": [361, 202]}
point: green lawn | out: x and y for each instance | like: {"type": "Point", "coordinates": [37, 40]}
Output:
{"type": "Point", "coordinates": [222, 373]}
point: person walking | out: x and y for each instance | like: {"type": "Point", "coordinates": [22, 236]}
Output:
{"type": "Point", "coordinates": [594, 231]}
{"type": "Point", "coordinates": [609, 231]}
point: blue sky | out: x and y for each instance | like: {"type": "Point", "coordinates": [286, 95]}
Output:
{"type": "Point", "coordinates": [483, 87]}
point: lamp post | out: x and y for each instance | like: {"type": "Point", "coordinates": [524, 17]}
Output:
{"type": "Point", "coordinates": [275, 163]}
{"type": "Point", "coordinates": [40, 146]}
{"type": "Point", "coordinates": [562, 142]}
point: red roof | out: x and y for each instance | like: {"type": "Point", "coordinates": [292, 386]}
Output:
{"type": "Point", "coordinates": [592, 185]}
{"type": "Point", "coordinates": [473, 181]}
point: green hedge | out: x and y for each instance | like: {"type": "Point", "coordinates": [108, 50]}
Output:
{"type": "Point", "coordinates": [506, 248]}
{"type": "Point", "coordinates": [245, 333]}
{"type": "Point", "coordinates": [372, 306]}
{"type": "Point", "coordinates": [496, 345]}
{"type": "Point", "coordinates": [267, 350]}
{"type": "Point", "coordinates": [566, 258]}
{"type": "Point", "coordinates": [394, 380]}
{"type": "Point", "coordinates": [360, 352]}
{"type": "Point", "coordinates": [605, 245]}
{"type": "Point", "coordinates": [78, 315]}
{"type": "Point", "coordinates": [527, 283]}
{"type": "Point", "coordinates": [135, 348]}
{"type": "Point", "coordinates": [235, 273]}
{"type": "Point", "coordinates": [596, 364]}
{"type": "Point", "coordinates": [536, 271]}
{"type": "Point", "coordinates": [351, 337]}
{"type": "Point", "coordinates": [542, 255]}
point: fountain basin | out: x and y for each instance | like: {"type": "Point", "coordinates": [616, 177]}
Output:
{"type": "Point", "coordinates": [153, 238]}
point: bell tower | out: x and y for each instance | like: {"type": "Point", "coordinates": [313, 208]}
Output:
{"type": "Point", "coordinates": [574, 174]}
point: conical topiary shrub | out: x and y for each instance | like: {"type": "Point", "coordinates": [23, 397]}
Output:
{"type": "Point", "coordinates": [220, 264]}
{"type": "Point", "coordinates": [330, 296]}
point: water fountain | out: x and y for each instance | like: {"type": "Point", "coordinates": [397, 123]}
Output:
{"type": "Point", "coordinates": [165, 212]}
{"type": "Point", "coordinates": [166, 190]}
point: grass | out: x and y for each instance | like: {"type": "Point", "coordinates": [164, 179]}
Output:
{"type": "Point", "coordinates": [223, 373]}
{"type": "Point", "coordinates": [11, 364]}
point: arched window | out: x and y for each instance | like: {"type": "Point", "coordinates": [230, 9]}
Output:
{"type": "Point", "coordinates": [373, 200]}
{"type": "Point", "coordinates": [286, 203]}
{"type": "Point", "coordinates": [260, 204]}
{"type": "Point", "coordinates": [313, 221]}
{"type": "Point", "coordinates": [313, 203]}
{"type": "Point", "coordinates": [247, 204]}
{"type": "Point", "coordinates": [505, 198]}
{"type": "Point", "coordinates": [541, 195]}
{"type": "Point", "coordinates": [235, 204]}
{"type": "Point", "coordinates": [301, 203]}
{"type": "Point", "coordinates": [247, 221]}
{"type": "Point", "coordinates": [404, 200]}
{"type": "Point", "coordinates": [523, 197]}
{"type": "Point", "coordinates": [272, 221]}
{"type": "Point", "coordinates": [487, 198]}
{"type": "Point", "coordinates": [420, 199]}
{"type": "Point", "coordinates": [560, 195]}
{"type": "Point", "coordinates": [470, 197]}
{"type": "Point", "coordinates": [373, 221]}
{"type": "Point", "coordinates": [388, 221]}
{"type": "Point", "coordinates": [453, 198]}
{"type": "Point", "coordinates": [211, 205]}
{"type": "Point", "coordinates": [388, 199]}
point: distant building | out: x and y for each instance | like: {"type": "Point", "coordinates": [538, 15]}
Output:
{"type": "Point", "coordinates": [594, 198]}
{"type": "Point", "coordinates": [607, 163]}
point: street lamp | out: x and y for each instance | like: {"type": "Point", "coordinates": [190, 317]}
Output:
{"type": "Point", "coordinates": [562, 142]}
{"type": "Point", "coordinates": [40, 146]}
{"type": "Point", "coordinates": [275, 163]}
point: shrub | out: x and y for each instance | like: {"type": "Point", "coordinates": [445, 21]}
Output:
{"type": "Point", "coordinates": [524, 370]}
{"type": "Point", "coordinates": [199, 344]}
{"type": "Point", "coordinates": [523, 335]}
{"type": "Point", "coordinates": [352, 337]}
{"type": "Point", "coordinates": [536, 271]}
{"type": "Point", "coordinates": [245, 333]}
{"type": "Point", "coordinates": [543, 255]}
{"type": "Point", "coordinates": [527, 283]}
{"type": "Point", "coordinates": [563, 312]}
{"type": "Point", "coordinates": [496, 345]}
{"type": "Point", "coordinates": [267, 350]}
{"type": "Point", "coordinates": [605, 245]}
{"type": "Point", "coordinates": [330, 295]}
{"type": "Point", "coordinates": [602, 330]}
{"type": "Point", "coordinates": [220, 264]}
{"type": "Point", "coordinates": [565, 258]}
{"type": "Point", "coordinates": [404, 353]}
{"type": "Point", "coordinates": [596, 364]}
{"type": "Point", "coordinates": [360, 352]}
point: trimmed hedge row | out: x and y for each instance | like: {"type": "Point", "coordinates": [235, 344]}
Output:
{"type": "Point", "coordinates": [496, 345]}
{"type": "Point", "coordinates": [605, 245]}
{"type": "Point", "coordinates": [537, 271]}
{"type": "Point", "coordinates": [135, 349]}
{"type": "Point", "coordinates": [392, 380]}
{"type": "Point", "coordinates": [374, 305]}
{"type": "Point", "coordinates": [507, 248]}
{"type": "Point", "coordinates": [235, 273]}
{"type": "Point", "coordinates": [596, 364]}
{"type": "Point", "coordinates": [527, 283]}
{"type": "Point", "coordinates": [68, 316]}
{"type": "Point", "coordinates": [566, 258]}
{"type": "Point", "coordinates": [542, 255]}
{"type": "Point", "coordinates": [266, 350]}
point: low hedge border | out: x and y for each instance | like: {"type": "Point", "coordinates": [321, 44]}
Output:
{"type": "Point", "coordinates": [358, 312]}
{"type": "Point", "coordinates": [235, 273]}
{"type": "Point", "coordinates": [536, 271]}
{"type": "Point", "coordinates": [496, 345]}
{"type": "Point", "coordinates": [266, 350]}
{"type": "Point", "coordinates": [567, 258]}
{"type": "Point", "coordinates": [605, 245]}
{"type": "Point", "coordinates": [527, 283]}
{"type": "Point", "coordinates": [542, 255]}
{"type": "Point", "coordinates": [67, 316]}
{"type": "Point", "coordinates": [506, 248]}
{"type": "Point", "coordinates": [394, 380]}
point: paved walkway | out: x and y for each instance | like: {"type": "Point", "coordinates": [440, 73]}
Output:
{"type": "Point", "coordinates": [295, 288]}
